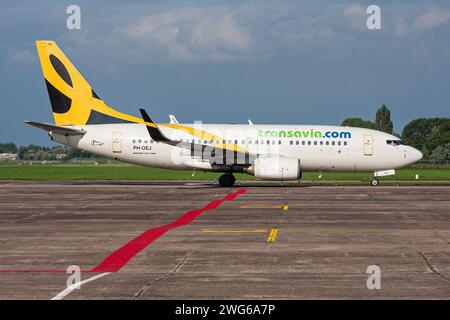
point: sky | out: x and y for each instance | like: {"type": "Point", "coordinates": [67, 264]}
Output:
{"type": "Point", "coordinates": [281, 62]}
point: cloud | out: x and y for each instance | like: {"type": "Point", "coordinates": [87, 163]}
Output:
{"type": "Point", "coordinates": [210, 33]}
{"type": "Point", "coordinates": [180, 35]}
{"type": "Point", "coordinates": [355, 15]}
{"type": "Point", "coordinates": [21, 56]}
{"type": "Point", "coordinates": [223, 32]}
{"type": "Point", "coordinates": [431, 19]}
{"type": "Point", "coordinates": [302, 32]}
{"type": "Point", "coordinates": [400, 27]}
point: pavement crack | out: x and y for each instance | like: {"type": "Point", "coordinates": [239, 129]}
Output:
{"type": "Point", "coordinates": [434, 232]}
{"type": "Point", "coordinates": [164, 276]}
{"type": "Point", "coordinates": [430, 266]}
{"type": "Point", "coordinates": [440, 237]}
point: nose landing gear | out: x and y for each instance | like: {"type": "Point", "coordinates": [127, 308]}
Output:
{"type": "Point", "coordinates": [227, 180]}
{"type": "Point", "coordinates": [374, 182]}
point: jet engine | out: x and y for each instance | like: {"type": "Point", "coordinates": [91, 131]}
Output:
{"type": "Point", "coordinates": [278, 168]}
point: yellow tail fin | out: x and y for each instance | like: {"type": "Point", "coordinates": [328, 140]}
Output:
{"type": "Point", "coordinates": [73, 100]}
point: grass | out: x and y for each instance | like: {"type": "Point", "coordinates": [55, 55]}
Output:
{"type": "Point", "coordinates": [131, 172]}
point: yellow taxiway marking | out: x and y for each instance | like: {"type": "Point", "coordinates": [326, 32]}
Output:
{"type": "Point", "coordinates": [284, 207]}
{"type": "Point", "coordinates": [234, 230]}
{"type": "Point", "coordinates": [261, 207]}
{"type": "Point", "coordinates": [272, 235]}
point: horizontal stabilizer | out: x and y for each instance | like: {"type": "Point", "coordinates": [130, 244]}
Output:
{"type": "Point", "coordinates": [56, 129]}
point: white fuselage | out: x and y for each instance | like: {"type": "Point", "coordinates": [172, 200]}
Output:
{"type": "Point", "coordinates": [319, 148]}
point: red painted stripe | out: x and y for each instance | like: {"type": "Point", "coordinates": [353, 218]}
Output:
{"type": "Point", "coordinates": [32, 271]}
{"type": "Point", "coordinates": [120, 257]}
{"type": "Point", "coordinates": [38, 271]}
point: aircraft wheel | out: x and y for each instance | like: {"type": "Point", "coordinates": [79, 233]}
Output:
{"type": "Point", "coordinates": [227, 180]}
{"type": "Point", "coordinates": [374, 182]}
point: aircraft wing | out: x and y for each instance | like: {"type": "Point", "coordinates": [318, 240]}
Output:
{"type": "Point", "coordinates": [56, 129]}
{"type": "Point", "coordinates": [214, 154]}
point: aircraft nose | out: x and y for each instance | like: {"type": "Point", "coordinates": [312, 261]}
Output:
{"type": "Point", "coordinates": [416, 155]}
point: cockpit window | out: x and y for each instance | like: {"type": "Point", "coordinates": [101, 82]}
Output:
{"type": "Point", "coordinates": [394, 142]}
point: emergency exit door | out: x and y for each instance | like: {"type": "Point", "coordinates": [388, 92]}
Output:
{"type": "Point", "coordinates": [368, 145]}
{"type": "Point", "coordinates": [117, 142]}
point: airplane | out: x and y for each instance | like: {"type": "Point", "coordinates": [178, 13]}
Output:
{"type": "Point", "coordinates": [84, 121]}
{"type": "Point", "coordinates": [173, 119]}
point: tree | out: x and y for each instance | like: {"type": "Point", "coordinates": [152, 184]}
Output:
{"type": "Point", "coordinates": [440, 135]}
{"type": "Point", "coordinates": [358, 123]}
{"type": "Point", "coordinates": [441, 153]}
{"type": "Point", "coordinates": [418, 141]}
{"type": "Point", "coordinates": [426, 134]}
{"type": "Point", "coordinates": [383, 120]}
{"type": "Point", "coordinates": [8, 148]}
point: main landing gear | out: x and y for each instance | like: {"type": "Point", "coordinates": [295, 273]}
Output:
{"type": "Point", "coordinates": [374, 182]}
{"type": "Point", "coordinates": [227, 180]}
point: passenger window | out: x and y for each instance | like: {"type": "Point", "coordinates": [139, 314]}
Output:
{"type": "Point", "coordinates": [333, 143]}
{"type": "Point", "coordinates": [321, 143]}
{"type": "Point", "coordinates": [291, 142]}
{"type": "Point", "coordinates": [279, 141]}
{"type": "Point", "coordinates": [140, 141]}
{"type": "Point", "coordinates": [315, 143]}
{"type": "Point", "coordinates": [256, 141]}
{"type": "Point", "coordinates": [309, 143]}
{"type": "Point", "coordinates": [134, 141]}
{"type": "Point", "coordinates": [339, 143]}
{"type": "Point", "coordinates": [327, 143]}
{"type": "Point", "coordinates": [303, 142]}
{"type": "Point", "coordinates": [345, 143]}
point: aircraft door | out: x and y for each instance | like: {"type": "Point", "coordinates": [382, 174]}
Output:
{"type": "Point", "coordinates": [117, 142]}
{"type": "Point", "coordinates": [368, 145]}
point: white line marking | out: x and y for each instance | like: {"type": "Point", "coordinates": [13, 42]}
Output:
{"type": "Point", "coordinates": [69, 289]}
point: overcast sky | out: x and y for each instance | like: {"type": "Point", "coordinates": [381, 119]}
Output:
{"type": "Point", "coordinates": [305, 62]}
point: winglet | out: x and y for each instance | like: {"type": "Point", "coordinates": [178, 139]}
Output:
{"type": "Point", "coordinates": [154, 131]}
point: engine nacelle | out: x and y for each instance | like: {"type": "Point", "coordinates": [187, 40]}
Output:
{"type": "Point", "coordinates": [276, 168]}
